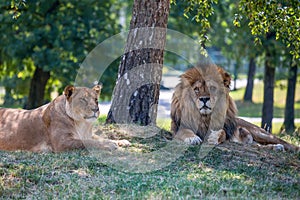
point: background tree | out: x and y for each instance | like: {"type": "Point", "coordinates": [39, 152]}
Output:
{"type": "Point", "coordinates": [281, 17]}
{"type": "Point", "coordinates": [55, 36]}
{"type": "Point", "coordinates": [278, 20]}
{"type": "Point", "coordinates": [235, 43]}
{"type": "Point", "coordinates": [289, 112]}
{"type": "Point", "coordinates": [250, 80]}
{"type": "Point", "coordinates": [269, 84]}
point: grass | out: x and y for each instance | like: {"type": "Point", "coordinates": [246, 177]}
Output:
{"type": "Point", "coordinates": [167, 171]}
{"type": "Point", "coordinates": [225, 172]}
{"type": "Point", "coordinates": [248, 109]}
{"type": "Point", "coordinates": [254, 109]}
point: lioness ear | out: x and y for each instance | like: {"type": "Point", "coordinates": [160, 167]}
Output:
{"type": "Point", "coordinates": [69, 90]}
{"type": "Point", "coordinates": [98, 88]}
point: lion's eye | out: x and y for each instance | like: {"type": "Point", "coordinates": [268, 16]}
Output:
{"type": "Point", "coordinates": [196, 90]}
{"type": "Point", "coordinates": [212, 88]}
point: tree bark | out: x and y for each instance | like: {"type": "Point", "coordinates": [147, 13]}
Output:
{"type": "Point", "coordinates": [289, 112]}
{"type": "Point", "coordinates": [136, 93]}
{"type": "Point", "coordinates": [37, 88]}
{"type": "Point", "coordinates": [8, 100]}
{"type": "Point", "coordinates": [235, 73]}
{"type": "Point", "coordinates": [250, 80]}
{"type": "Point", "coordinates": [269, 79]}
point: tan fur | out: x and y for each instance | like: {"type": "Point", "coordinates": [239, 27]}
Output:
{"type": "Point", "coordinates": [63, 124]}
{"type": "Point", "coordinates": [250, 133]}
{"type": "Point", "coordinates": [206, 81]}
{"type": "Point", "coordinates": [192, 126]}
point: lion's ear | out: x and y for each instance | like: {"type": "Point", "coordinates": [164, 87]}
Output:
{"type": "Point", "coordinates": [98, 88]}
{"type": "Point", "coordinates": [69, 90]}
{"type": "Point", "coordinates": [226, 77]}
{"type": "Point", "coordinates": [227, 80]}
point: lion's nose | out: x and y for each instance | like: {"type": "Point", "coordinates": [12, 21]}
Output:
{"type": "Point", "coordinates": [95, 109]}
{"type": "Point", "coordinates": [204, 99]}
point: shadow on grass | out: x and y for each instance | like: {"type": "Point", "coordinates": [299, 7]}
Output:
{"type": "Point", "coordinates": [229, 171]}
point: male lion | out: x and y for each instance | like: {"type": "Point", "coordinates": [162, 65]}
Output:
{"type": "Point", "coordinates": [202, 109]}
{"type": "Point", "coordinates": [63, 124]}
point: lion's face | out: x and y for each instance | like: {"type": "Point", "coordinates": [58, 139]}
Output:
{"type": "Point", "coordinates": [205, 95]}
{"type": "Point", "coordinates": [205, 87]}
{"type": "Point", "coordinates": [82, 103]}
{"type": "Point", "coordinates": [201, 104]}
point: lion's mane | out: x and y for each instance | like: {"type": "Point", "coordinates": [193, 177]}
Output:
{"type": "Point", "coordinates": [184, 112]}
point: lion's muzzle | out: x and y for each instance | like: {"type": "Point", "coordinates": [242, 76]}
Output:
{"type": "Point", "coordinates": [205, 105]}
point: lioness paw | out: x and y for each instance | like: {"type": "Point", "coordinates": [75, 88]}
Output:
{"type": "Point", "coordinates": [216, 137]}
{"type": "Point", "coordinates": [193, 140]}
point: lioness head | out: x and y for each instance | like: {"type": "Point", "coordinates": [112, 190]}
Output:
{"type": "Point", "coordinates": [207, 85]}
{"type": "Point", "coordinates": [82, 103]}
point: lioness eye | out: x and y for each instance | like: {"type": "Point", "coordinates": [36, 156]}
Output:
{"type": "Point", "coordinates": [196, 90]}
{"type": "Point", "coordinates": [83, 100]}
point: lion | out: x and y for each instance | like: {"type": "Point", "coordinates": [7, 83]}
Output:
{"type": "Point", "coordinates": [202, 110]}
{"type": "Point", "coordinates": [61, 125]}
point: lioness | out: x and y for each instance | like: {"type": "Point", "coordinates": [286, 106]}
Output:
{"type": "Point", "coordinates": [63, 124]}
{"type": "Point", "coordinates": [202, 109]}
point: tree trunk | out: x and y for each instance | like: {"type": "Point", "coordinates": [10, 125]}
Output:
{"type": "Point", "coordinates": [289, 114]}
{"type": "Point", "coordinates": [269, 78]}
{"type": "Point", "coordinates": [235, 73]}
{"type": "Point", "coordinates": [8, 100]}
{"type": "Point", "coordinates": [250, 80]}
{"type": "Point", "coordinates": [37, 88]}
{"type": "Point", "coordinates": [136, 93]}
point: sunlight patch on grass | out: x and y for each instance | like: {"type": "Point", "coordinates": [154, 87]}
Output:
{"type": "Point", "coordinates": [254, 109]}
{"type": "Point", "coordinates": [227, 172]}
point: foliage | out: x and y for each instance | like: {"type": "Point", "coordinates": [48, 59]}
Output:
{"type": "Point", "coordinates": [234, 43]}
{"type": "Point", "coordinates": [16, 6]}
{"type": "Point", "coordinates": [199, 11]}
{"type": "Point", "coordinates": [60, 39]}
{"type": "Point", "coordinates": [261, 16]}
{"type": "Point", "coordinates": [281, 17]}
{"type": "Point", "coordinates": [55, 35]}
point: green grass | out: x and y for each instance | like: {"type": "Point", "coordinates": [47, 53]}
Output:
{"type": "Point", "coordinates": [228, 171]}
{"type": "Point", "coordinates": [1, 99]}
{"type": "Point", "coordinates": [225, 172]}
{"type": "Point", "coordinates": [254, 109]}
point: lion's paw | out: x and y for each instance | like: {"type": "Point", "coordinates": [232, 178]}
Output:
{"type": "Point", "coordinates": [278, 147]}
{"type": "Point", "coordinates": [193, 140]}
{"type": "Point", "coordinates": [216, 137]}
{"type": "Point", "coordinates": [110, 146]}
{"type": "Point", "coordinates": [123, 143]}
